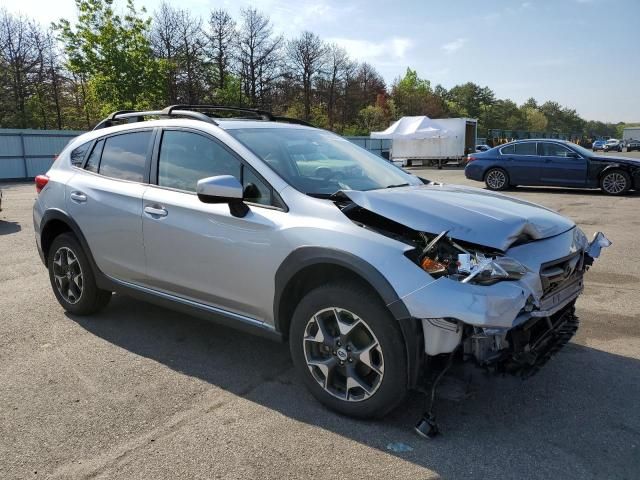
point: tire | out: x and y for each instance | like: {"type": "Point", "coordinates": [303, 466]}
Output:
{"type": "Point", "coordinates": [496, 179]}
{"type": "Point", "coordinates": [615, 182]}
{"type": "Point", "coordinates": [70, 271]}
{"type": "Point", "coordinates": [383, 370]}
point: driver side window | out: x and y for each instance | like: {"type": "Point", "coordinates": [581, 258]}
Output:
{"type": "Point", "coordinates": [186, 157]}
{"type": "Point", "coordinates": [548, 149]}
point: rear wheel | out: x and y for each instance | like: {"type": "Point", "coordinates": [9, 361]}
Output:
{"type": "Point", "coordinates": [72, 277]}
{"type": "Point", "coordinates": [349, 350]}
{"type": "Point", "coordinates": [496, 179]}
{"type": "Point", "coordinates": [615, 182]}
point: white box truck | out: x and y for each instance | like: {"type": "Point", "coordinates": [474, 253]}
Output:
{"type": "Point", "coordinates": [425, 141]}
{"type": "Point", "coordinates": [630, 133]}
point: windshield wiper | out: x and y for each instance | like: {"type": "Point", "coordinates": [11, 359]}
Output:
{"type": "Point", "coordinates": [398, 185]}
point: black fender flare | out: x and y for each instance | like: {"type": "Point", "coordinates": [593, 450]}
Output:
{"type": "Point", "coordinates": [56, 214]}
{"type": "Point", "coordinates": [307, 256]}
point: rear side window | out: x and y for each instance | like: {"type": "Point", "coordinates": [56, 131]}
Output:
{"type": "Point", "coordinates": [528, 148]}
{"type": "Point", "coordinates": [94, 159]}
{"type": "Point", "coordinates": [77, 155]}
{"type": "Point", "coordinates": [508, 150]}
{"type": "Point", "coordinates": [187, 157]}
{"type": "Point", "coordinates": [124, 156]}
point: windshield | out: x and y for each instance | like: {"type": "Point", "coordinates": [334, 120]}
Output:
{"type": "Point", "coordinates": [320, 163]}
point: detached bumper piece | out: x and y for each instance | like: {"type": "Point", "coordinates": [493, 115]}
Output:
{"type": "Point", "coordinates": [536, 341]}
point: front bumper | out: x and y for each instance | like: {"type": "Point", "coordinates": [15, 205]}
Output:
{"type": "Point", "coordinates": [448, 308]}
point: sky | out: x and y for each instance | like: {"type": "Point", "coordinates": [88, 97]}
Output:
{"type": "Point", "coordinates": [584, 54]}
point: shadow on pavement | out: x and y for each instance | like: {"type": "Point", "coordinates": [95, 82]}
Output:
{"type": "Point", "coordinates": [7, 228]}
{"type": "Point", "coordinates": [578, 417]}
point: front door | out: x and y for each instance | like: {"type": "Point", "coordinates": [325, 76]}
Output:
{"type": "Point", "coordinates": [200, 251]}
{"type": "Point", "coordinates": [561, 166]}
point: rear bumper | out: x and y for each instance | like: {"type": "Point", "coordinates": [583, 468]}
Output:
{"type": "Point", "coordinates": [473, 172]}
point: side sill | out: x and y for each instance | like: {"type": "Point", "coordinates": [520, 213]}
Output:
{"type": "Point", "coordinates": [196, 309]}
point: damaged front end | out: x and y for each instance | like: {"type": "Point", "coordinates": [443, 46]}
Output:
{"type": "Point", "coordinates": [507, 309]}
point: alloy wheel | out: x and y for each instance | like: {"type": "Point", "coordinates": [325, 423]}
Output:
{"type": "Point", "coordinates": [343, 354]}
{"type": "Point", "coordinates": [614, 183]}
{"type": "Point", "coordinates": [496, 179]}
{"type": "Point", "coordinates": [67, 275]}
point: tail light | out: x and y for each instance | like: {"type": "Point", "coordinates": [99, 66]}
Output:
{"type": "Point", "coordinates": [471, 158]}
{"type": "Point", "coordinates": [41, 182]}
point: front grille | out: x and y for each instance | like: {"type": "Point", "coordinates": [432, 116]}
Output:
{"type": "Point", "coordinates": [557, 274]}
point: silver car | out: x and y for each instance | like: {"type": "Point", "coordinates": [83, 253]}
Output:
{"type": "Point", "coordinates": [293, 232]}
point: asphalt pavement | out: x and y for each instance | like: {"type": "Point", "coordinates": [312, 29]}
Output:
{"type": "Point", "coordinates": [138, 392]}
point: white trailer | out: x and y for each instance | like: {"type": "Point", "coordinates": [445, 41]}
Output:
{"type": "Point", "coordinates": [630, 133]}
{"type": "Point", "coordinates": [421, 140]}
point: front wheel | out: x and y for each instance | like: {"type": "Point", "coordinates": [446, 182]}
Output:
{"type": "Point", "coordinates": [615, 182]}
{"type": "Point", "coordinates": [349, 350]}
{"type": "Point", "coordinates": [496, 179]}
{"type": "Point", "coordinates": [72, 278]}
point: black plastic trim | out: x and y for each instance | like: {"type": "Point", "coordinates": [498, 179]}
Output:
{"type": "Point", "coordinates": [307, 256]}
{"type": "Point", "coordinates": [55, 214]}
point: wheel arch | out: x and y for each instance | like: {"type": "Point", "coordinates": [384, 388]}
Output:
{"type": "Point", "coordinates": [308, 267]}
{"type": "Point", "coordinates": [56, 222]}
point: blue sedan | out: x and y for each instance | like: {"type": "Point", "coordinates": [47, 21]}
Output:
{"type": "Point", "coordinates": [554, 163]}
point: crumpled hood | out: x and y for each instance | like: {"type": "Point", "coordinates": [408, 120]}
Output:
{"type": "Point", "coordinates": [469, 214]}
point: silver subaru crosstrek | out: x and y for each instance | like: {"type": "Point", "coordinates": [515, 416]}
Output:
{"type": "Point", "coordinates": [371, 273]}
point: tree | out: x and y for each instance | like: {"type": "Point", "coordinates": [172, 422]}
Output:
{"type": "Point", "coordinates": [222, 40]}
{"type": "Point", "coordinates": [258, 56]}
{"type": "Point", "coordinates": [306, 55]}
{"type": "Point", "coordinates": [112, 56]}
{"type": "Point", "coordinates": [536, 120]}
{"type": "Point", "coordinates": [411, 94]}
{"type": "Point", "coordinates": [337, 65]}
{"type": "Point", "coordinates": [20, 61]}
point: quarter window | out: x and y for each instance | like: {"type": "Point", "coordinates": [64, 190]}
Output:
{"type": "Point", "coordinates": [187, 157]}
{"type": "Point", "coordinates": [94, 159]}
{"type": "Point", "coordinates": [77, 155]}
{"type": "Point", "coordinates": [508, 150]}
{"type": "Point", "coordinates": [527, 148]}
{"type": "Point", "coordinates": [124, 156]}
{"type": "Point", "coordinates": [255, 190]}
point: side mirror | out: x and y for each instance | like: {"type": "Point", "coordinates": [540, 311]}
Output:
{"type": "Point", "coordinates": [223, 189]}
{"type": "Point", "coordinates": [573, 155]}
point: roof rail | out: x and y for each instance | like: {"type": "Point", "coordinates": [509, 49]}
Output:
{"type": "Point", "coordinates": [133, 116]}
{"type": "Point", "coordinates": [263, 114]}
{"type": "Point", "coordinates": [188, 111]}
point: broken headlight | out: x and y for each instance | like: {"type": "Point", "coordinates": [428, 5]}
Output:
{"type": "Point", "coordinates": [490, 270]}
{"type": "Point", "coordinates": [442, 256]}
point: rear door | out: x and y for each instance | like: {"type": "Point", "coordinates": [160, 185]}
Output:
{"type": "Point", "coordinates": [200, 251]}
{"type": "Point", "coordinates": [562, 166]}
{"type": "Point", "coordinates": [105, 199]}
{"type": "Point", "coordinates": [522, 163]}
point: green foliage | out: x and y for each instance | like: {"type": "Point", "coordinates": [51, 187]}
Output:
{"type": "Point", "coordinates": [116, 58]}
{"type": "Point", "coordinates": [111, 54]}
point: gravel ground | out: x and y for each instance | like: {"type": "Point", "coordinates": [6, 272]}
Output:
{"type": "Point", "coordinates": [141, 392]}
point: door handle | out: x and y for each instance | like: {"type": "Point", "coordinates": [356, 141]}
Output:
{"type": "Point", "coordinates": [78, 197]}
{"type": "Point", "coordinates": [155, 211]}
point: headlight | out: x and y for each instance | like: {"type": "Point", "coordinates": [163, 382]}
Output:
{"type": "Point", "coordinates": [579, 239]}
{"type": "Point", "coordinates": [441, 256]}
{"type": "Point", "coordinates": [491, 270]}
